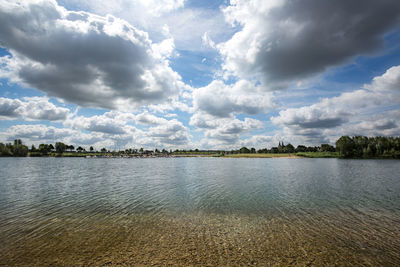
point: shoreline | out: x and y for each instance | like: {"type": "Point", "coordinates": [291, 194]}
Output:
{"type": "Point", "coordinates": [300, 155]}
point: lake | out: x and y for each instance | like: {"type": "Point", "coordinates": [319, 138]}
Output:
{"type": "Point", "coordinates": [199, 211]}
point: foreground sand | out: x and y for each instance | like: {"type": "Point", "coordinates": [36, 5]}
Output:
{"type": "Point", "coordinates": [200, 239]}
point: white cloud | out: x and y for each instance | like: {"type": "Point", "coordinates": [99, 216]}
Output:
{"type": "Point", "coordinates": [260, 141]}
{"type": "Point", "coordinates": [31, 108]}
{"type": "Point", "coordinates": [149, 119]}
{"type": "Point", "coordinates": [38, 132]}
{"type": "Point", "coordinates": [348, 113]}
{"type": "Point", "coordinates": [83, 58]}
{"type": "Point", "coordinates": [111, 123]}
{"type": "Point", "coordinates": [389, 81]}
{"type": "Point", "coordinates": [223, 132]}
{"type": "Point", "coordinates": [207, 41]}
{"type": "Point", "coordinates": [186, 25]}
{"type": "Point", "coordinates": [169, 134]}
{"type": "Point", "coordinates": [221, 100]}
{"type": "Point", "coordinates": [114, 129]}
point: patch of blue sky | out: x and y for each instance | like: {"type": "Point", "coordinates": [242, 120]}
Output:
{"type": "Point", "coordinates": [4, 52]}
{"type": "Point", "coordinates": [207, 4]}
{"type": "Point", "coordinates": [12, 90]}
{"type": "Point", "coordinates": [193, 69]}
{"type": "Point", "coordinates": [88, 112]}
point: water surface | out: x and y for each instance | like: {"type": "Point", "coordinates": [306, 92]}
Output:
{"type": "Point", "coordinates": [206, 211]}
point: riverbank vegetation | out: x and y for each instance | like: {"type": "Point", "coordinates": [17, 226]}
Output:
{"type": "Point", "coordinates": [345, 147]}
{"type": "Point", "coordinates": [262, 155]}
{"type": "Point", "coordinates": [368, 147]}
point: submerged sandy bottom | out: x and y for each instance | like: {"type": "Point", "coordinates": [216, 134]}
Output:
{"type": "Point", "coordinates": [203, 239]}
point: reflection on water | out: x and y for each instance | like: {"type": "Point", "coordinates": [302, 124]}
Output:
{"type": "Point", "coordinates": [206, 211]}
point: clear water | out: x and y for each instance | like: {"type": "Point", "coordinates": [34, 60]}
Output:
{"type": "Point", "coordinates": [199, 211]}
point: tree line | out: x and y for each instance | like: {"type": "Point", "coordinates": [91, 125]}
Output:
{"type": "Point", "coordinates": [368, 147]}
{"type": "Point", "coordinates": [346, 147]}
{"type": "Point", "coordinates": [282, 148]}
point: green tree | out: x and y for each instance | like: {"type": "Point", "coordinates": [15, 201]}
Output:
{"type": "Point", "coordinates": [18, 149]}
{"type": "Point", "coordinates": [301, 148]}
{"type": "Point", "coordinates": [327, 148]}
{"type": "Point", "coordinates": [244, 150]}
{"type": "Point", "coordinates": [5, 150]}
{"type": "Point", "coordinates": [289, 148]}
{"type": "Point", "coordinates": [60, 147]}
{"type": "Point", "coordinates": [345, 146]}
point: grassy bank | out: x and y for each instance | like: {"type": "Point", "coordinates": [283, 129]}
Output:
{"type": "Point", "coordinates": [318, 154]}
{"type": "Point", "coordinates": [262, 155]}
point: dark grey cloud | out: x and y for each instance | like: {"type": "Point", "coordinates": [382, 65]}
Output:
{"type": "Point", "coordinates": [82, 58]}
{"type": "Point", "coordinates": [298, 38]}
{"type": "Point", "coordinates": [8, 108]}
{"type": "Point", "coordinates": [322, 123]}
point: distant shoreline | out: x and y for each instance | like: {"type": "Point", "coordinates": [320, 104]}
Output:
{"type": "Point", "coordinates": [299, 155]}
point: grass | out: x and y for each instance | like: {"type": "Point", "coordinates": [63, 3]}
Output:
{"type": "Point", "coordinates": [261, 155]}
{"type": "Point", "coordinates": [287, 155]}
{"type": "Point", "coordinates": [318, 154]}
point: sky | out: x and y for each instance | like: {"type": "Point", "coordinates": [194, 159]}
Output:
{"type": "Point", "coordinates": [186, 74]}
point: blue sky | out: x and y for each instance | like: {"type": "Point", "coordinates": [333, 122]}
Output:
{"type": "Point", "coordinates": [198, 74]}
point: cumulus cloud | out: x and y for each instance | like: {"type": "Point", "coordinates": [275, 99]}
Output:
{"type": "Point", "coordinates": [286, 40]}
{"type": "Point", "coordinates": [83, 58]}
{"type": "Point", "coordinates": [389, 81]}
{"type": "Point", "coordinates": [112, 123]}
{"type": "Point", "coordinates": [186, 25]}
{"type": "Point", "coordinates": [221, 132]}
{"type": "Point", "coordinates": [260, 141]}
{"type": "Point", "coordinates": [38, 132]}
{"type": "Point", "coordinates": [142, 9]}
{"type": "Point", "coordinates": [171, 132]}
{"type": "Point", "coordinates": [115, 128]}
{"type": "Point", "coordinates": [146, 118]}
{"type": "Point", "coordinates": [348, 113]}
{"type": "Point", "coordinates": [222, 100]}
{"type": "Point", "coordinates": [31, 108]}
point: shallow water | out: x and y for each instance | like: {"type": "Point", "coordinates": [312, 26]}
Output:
{"type": "Point", "coordinates": [204, 211]}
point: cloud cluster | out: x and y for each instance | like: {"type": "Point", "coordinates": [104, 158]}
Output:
{"type": "Point", "coordinates": [286, 40]}
{"type": "Point", "coordinates": [389, 81]}
{"type": "Point", "coordinates": [83, 58]}
{"type": "Point", "coordinates": [348, 113]}
{"type": "Point", "coordinates": [223, 132]}
{"type": "Point", "coordinates": [119, 129]}
{"type": "Point", "coordinates": [38, 132]}
{"type": "Point", "coordinates": [31, 108]}
{"type": "Point", "coordinates": [146, 118]}
{"type": "Point", "coordinates": [171, 133]}
{"type": "Point", "coordinates": [112, 123]}
{"type": "Point", "coordinates": [222, 100]}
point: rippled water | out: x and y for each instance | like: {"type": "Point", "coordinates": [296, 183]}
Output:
{"type": "Point", "coordinates": [205, 211]}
